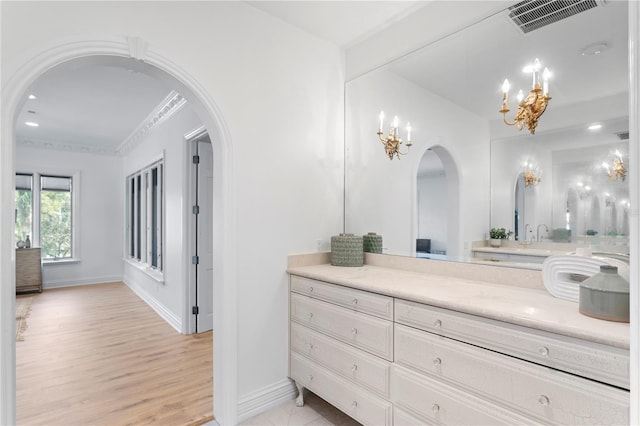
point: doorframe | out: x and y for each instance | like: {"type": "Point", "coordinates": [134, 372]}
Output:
{"type": "Point", "coordinates": [191, 138]}
{"type": "Point", "coordinates": [49, 55]}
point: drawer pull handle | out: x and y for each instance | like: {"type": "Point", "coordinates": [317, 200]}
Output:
{"type": "Point", "coordinates": [310, 346]}
{"type": "Point", "coordinates": [354, 367]}
{"type": "Point", "coordinates": [544, 351]}
{"type": "Point", "coordinates": [310, 289]}
{"type": "Point", "coordinates": [437, 361]}
{"type": "Point", "coordinates": [437, 323]}
{"type": "Point", "coordinates": [310, 377]}
{"type": "Point", "coordinates": [354, 331]}
{"type": "Point", "coordinates": [543, 400]}
{"type": "Point", "coordinates": [354, 404]}
{"type": "Point", "coordinates": [310, 315]}
{"type": "Point", "coordinates": [435, 408]}
{"type": "Point", "coordinates": [354, 302]}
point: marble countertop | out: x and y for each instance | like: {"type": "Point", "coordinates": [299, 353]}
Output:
{"type": "Point", "coordinates": [521, 251]}
{"type": "Point", "coordinates": [529, 307]}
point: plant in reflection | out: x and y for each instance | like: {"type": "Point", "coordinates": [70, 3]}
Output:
{"type": "Point", "coordinates": [499, 234]}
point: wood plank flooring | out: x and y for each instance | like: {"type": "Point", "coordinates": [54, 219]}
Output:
{"type": "Point", "coordinates": [99, 355]}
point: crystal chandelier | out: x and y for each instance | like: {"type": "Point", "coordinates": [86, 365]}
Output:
{"type": "Point", "coordinates": [532, 107]}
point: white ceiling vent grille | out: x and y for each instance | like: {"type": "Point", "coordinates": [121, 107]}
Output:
{"type": "Point", "coordinates": [530, 15]}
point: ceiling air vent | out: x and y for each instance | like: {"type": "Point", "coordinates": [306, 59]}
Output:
{"type": "Point", "coordinates": [530, 15]}
{"type": "Point", "coordinates": [623, 136]}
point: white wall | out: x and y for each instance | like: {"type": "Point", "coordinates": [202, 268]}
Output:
{"type": "Point", "coordinates": [98, 215]}
{"type": "Point", "coordinates": [165, 140]}
{"type": "Point", "coordinates": [432, 210]}
{"type": "Point", "coordinates": [280, 92]}
{"type": "Point", "coordinates": [381, 193]}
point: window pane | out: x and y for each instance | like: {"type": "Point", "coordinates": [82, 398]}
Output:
{"type": "Point", "coordinates": [138, 217]}
{"type": "Point", "coordinates": [55, 224]}
{"type": "Point", "coordinates": [24, 212]}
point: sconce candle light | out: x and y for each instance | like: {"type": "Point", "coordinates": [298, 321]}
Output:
{"type": "Point", "coordinates": [533, 106]}
{"type": "Point", "coordinates": [392, 143]}
{"type": "Point", "coordinates": [531, 175]}
{"type": "Point", "coordinates": [617, 170]}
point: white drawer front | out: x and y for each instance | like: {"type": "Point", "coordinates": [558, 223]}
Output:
{"type": "Point", "coordinates": [402, 418]}
{"type": "Point", "coordinates": [552, 396]}
{"type": "Point", "coordinates": [358, 366]}
{"type": "Point", "coordinates": [439, 403]}
{"type": "Point", "coordinates": [353, 400]}
{"type": "Point", "coordinates": [358, 300]}
{"type": "Point", "coordinates": [369, 333]}
{"type": "Point", "coordinates": [587, 359]}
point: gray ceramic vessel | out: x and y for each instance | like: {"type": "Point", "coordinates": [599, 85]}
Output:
{"type": "Point", "coordinates": [605, 295]}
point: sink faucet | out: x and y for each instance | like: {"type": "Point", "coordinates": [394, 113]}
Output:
{"type": "Point", "coordinates": [527, 227]}
{"type": "Point", "coordinates": [546, 229]}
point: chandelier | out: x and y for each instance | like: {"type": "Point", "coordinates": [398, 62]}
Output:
{"type": "Point", "coordinates": [532, 107]}
{"type": "Point", "coordinates": [616, 170]}
{"type": "Point", "coordinates": [392, 143]}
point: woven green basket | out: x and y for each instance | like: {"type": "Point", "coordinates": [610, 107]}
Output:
{"type": "Point", "coordinates": [372, 243]}
{"type": "Point", "coordinates": [347, 250]}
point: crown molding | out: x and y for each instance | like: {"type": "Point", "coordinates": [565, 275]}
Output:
{"type": "Point", "coordinates": [40, 143]}
{"type": "Point", "coordinates": [170, 105]}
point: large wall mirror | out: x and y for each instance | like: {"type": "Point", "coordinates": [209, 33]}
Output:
{"type": "Point", "coordinates": [465, 171]}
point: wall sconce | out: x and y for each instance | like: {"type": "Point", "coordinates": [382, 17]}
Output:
{"type": "Point", "coordinates": [531, 174]}
{"type": "Point", "coordinates": [530, 108]}
{"type": "Point", "coordinates": [392, 143]}
{"type": "Point", "coordinates": [616, 170]}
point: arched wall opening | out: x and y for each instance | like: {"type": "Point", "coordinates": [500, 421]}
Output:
{"type": "Point", "coordinates": [161, 67]}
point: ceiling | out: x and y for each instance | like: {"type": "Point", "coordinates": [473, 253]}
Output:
{"type": "Point", "coordinates": [93, 105]}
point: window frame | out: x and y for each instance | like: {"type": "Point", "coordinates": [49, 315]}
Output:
{"type": "Point", "coordinates": [36, 188]}
{"type": "Point", "coordinates": [144, 242]}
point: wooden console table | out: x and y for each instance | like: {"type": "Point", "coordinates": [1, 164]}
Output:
{"type": "Point", "coordinates": [28, 270]}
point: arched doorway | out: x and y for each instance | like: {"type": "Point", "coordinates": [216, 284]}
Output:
{"type": "Point", "coordinates": [154, 63]}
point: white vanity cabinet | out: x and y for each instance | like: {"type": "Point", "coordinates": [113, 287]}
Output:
{"type": "Point", "coordinates": [386, 360]}
{"type": "Point", "coordinates": [341, 342]}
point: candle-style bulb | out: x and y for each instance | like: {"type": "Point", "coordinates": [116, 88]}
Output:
{"type": "Point", "coordinates": [408, 132]}
{"type": "Point", "coordinates": [520, 96]}
{"type": "Point", "coordinates": [546, 74]}
{"type": "Point", "coordinates": [505, 86]}
{"type": "Point", "coordinates": [536, 65]}
{"type": "Point", "coordinates": [381, 120]}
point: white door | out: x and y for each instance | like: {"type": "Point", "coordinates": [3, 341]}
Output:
{"type": "Point", "coordinates": [204, 237]}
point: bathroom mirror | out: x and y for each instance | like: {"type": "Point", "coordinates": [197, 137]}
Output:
{"type": "Point", "coordinates": [450, 92]}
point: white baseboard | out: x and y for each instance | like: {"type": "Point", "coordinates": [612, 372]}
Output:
{"type": "Point", "coordinates": [80, 281]}
{"type": "Point", "coordinates": [259, 401]}
{"type": "Point", "coordinates": [173, 320]}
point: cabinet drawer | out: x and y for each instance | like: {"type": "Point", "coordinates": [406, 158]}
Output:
{"type": "Point", "coordinates": [369, 333]}
{"type": "Point", "coordinates": [549, 395]}
{"type": "Point", "coordinates": [438, 403]}
{"type": "Point", "coordinates": [402, 418]}
{"type": "Point", "coordinates": [592, 360]}
{"type": "Point", "coordinates": [353, 400]}
{"type": "Point", "coordinates": [360, 367]}
{"type": "Point", "coordinates": [358, 300]}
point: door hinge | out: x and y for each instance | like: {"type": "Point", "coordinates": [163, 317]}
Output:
{"type": "Point", "coordinates": [195, 310]}
{"type": "Point", "coordinates": [195, 260]}
{"type": "Point", "coordinates": [195, 209]}
{"type": "Point", "coordinates": [196, 159]}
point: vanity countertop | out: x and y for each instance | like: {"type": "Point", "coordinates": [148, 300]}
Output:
{"type": "Point", "coordinates": [521, 251]}
{"type": "Point", "coordinates": [530, 307]}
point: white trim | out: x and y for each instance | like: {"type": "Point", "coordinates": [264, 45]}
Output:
{"type": "Point", "coordinates": [165, 314]}
{"type": "Point", "coordinates": [81, 281]}
{"type": "Point", "coordinates": [263, 399]}
{"type": "Point", "coordinates": [43, 143]}
{"type": "Point", "coordinates": [30, 66]}
{"type": "Point", "coordinates": [152, 273]}
{"type": "Point", "coordinates": [165, 109]}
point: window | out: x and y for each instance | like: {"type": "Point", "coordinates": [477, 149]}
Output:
{"type": "Point", "coordinates": [44, 211]}
{"type": "Point", "coordinates": [145, 216]}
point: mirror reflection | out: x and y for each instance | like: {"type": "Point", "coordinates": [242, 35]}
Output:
{"type": "Point", "coordinates": [467, 171]}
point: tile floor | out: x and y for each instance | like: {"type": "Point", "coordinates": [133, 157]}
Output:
{"type": "Point", "coordinates": [315, 412]}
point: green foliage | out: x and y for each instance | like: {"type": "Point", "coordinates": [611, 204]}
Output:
{"type": "Point", "coordinates": [499, 233]}
{"type": "Point", "coordinates": [591, 232]}
{"type": "Point", "coordinates": [55, 224]}
{"type": "Point", "coordinates": [23, 214]}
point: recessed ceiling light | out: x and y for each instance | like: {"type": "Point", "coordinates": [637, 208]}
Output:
{"type": "Point", "coordinates": [595, 126]}
{"type": "Point", "coordinates": [32, 97]}
{"type": "Point", "coordinates": [31, 123]}
{"type": "Point", "coordinates": [594, 49]}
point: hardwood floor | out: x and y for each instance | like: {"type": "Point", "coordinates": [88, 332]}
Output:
{"type": "Point", "coordinates": [99, 355]}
